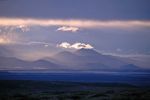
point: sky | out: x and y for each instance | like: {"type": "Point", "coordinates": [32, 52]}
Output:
{"type": "Point", "coordinates": [33, 29]}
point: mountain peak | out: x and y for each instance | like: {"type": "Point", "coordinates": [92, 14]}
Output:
{"type": "Point", "coordinates": [64, 53]}
{"type": "Point", "coordinates": [86, 52]}
{"type": "Point", "coordinates": [83, 49]}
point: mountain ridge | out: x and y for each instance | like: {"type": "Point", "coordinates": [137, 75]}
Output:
{"type": "Point", "coordinates": [83, 59]}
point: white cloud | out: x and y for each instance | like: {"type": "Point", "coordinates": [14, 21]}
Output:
{"type": "Point", "coordinates": [74, 23]}
{"type": "Point", "coordinates": [45, 44]}
{"type": "Point", "coordinates": [81, 45]}
{"type": "Point", "coordinates": [64, 45]}
{"type": "Point", "coordinates": [68, 29]}
{"type": "Point", "coordinates": [4, 40]}
{"type": "Point", "coordinates": [75, 45]}
{"type": "Point", "coordinates": [23, 28]}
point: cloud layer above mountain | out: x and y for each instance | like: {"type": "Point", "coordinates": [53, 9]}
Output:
{"type": "Point", "coordinates": [74, 23]}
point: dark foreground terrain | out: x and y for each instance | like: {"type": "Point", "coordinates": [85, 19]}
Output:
{"type": "Point", "coordinates": [59, 90]}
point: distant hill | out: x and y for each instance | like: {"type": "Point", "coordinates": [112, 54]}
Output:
{"type": "Point", "coordinates": [12, 63]}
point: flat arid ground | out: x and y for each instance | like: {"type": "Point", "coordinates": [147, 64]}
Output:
{"type": "Point", "coordinates": [59, 90]}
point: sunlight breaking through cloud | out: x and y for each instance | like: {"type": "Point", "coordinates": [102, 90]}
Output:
{"type": "Point", "coordinates": [4, 40]}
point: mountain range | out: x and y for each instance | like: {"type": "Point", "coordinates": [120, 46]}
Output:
{"type": "Point", "coordinates": [80, 60]}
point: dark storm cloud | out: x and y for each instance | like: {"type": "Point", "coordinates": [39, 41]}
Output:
{"type": "Point", "coordinates": [86, 9]}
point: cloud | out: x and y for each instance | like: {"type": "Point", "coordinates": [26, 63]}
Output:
{"type": "Point", "coordinates": [4, 40]}
{"type": "Point", "coordinates": [33, 43]}
{"type": "Point", "coordinates": [11, 34]}
{"type": "Point", "coordinates": [64, 45]}
{"type": "Point", "coordinates": [45, 44]}
{"type": "Point", "coordinates": [81, 45]}
{"type": "Point", "coordinates": [68, 29]}
{"type": "Point", "coordinates": [74, 23]}
{"type": "Point", "coordinates": [8, 38]}
{"type": "Point", "coordinates": [14, 39]}
{"type": "Point", "coordinates": [14, 29]}
{"type": "Point", "coordinates": [75, 45]}
{"type": "Point", "coordinates": [23, 28]}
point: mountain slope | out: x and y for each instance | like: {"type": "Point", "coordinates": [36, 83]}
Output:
{"type": "Point", "coordinates": [93, 56]}
{"type": "Point", "coordinates": [89, 59]}
{"type": "Point", "coordinates": [81, 60]}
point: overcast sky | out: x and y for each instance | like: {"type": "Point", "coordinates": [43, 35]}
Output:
{"type": "Point", "coordinates": [43, 27]}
